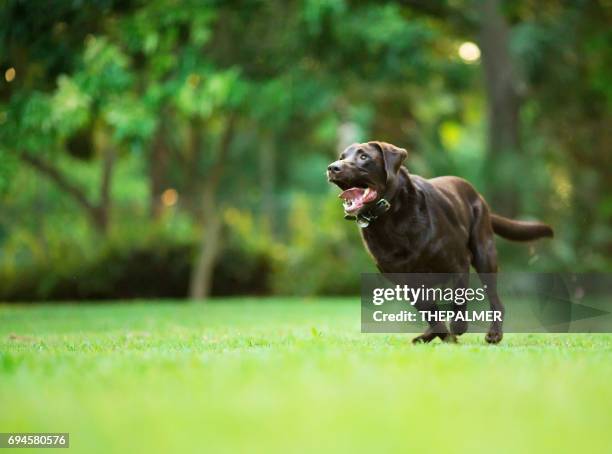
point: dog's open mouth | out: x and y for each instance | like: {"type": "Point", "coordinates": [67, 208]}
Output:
{"type": "Point", "coordinates": [355, 198]}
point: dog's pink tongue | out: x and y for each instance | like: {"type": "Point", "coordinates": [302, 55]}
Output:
{"type": "Point", "coordinates": [351, 194]}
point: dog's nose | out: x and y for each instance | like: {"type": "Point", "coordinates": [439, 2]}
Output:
{"type": "Point", "coordinates": [334, 167]}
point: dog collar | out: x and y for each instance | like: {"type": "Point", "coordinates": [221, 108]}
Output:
{"type": "Point", "coordinates": [367, 216]}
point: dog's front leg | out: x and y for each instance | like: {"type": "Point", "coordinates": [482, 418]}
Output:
{"type": "Point", "coordinates": [436, 328]}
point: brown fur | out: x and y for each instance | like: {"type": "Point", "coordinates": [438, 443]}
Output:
{"type": "Point", "coordinates": [440, 225]}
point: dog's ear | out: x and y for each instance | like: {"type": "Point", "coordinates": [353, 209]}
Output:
{"type": "Point", "coordinates": [392, 156]}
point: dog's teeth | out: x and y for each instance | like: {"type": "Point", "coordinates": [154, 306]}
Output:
{"type": "Point", "coordinates": [367, 191]}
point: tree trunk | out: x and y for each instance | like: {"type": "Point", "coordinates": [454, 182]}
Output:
{"type": "Point", "coordinates": [157, 172]}
{"type": "Point", "coordinates": [202, 274]}
{"type": "Point", "coordinates": [104, 208]}
{"type": "Point", "coordinates": [210, 245]}
{"type": "Point", "coordinates": [503, 108]}
{"type": "Point", "coordinates": [267, 168]}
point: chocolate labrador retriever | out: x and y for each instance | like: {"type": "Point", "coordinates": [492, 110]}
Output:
{"type": "Point", "coordinates": [413, 225]}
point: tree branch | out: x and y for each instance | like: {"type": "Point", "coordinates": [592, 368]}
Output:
{"type": "Point", "coordinates": [59, 179]}
{"type": "Point", "coordinates": [224, 146]}
{"type": "Point", "coordinates": [463, 19]}
{"type": "Point", "coordinates": [429, 7]}
{"type": "Point", "coordinates": [107, 173]}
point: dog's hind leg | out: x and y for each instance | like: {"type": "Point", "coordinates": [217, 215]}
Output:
{"type": "Point", "coordinates": [459, 327]}
{"type": "Point", "coordinates": [484, 260]}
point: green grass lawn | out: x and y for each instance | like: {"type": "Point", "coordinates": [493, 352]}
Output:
{"type": "Point", "coordinates": [292, 376]}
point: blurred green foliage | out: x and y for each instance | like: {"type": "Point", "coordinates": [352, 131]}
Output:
{"type": "Point", "coordinates": [106, 106]}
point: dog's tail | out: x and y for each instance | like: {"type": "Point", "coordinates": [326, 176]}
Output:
{"type": "Point", "coordinates": [520, 230]}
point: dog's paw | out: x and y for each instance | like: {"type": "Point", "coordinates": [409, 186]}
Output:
{"type": "Point", "coordinates": [424, 338]}
{"type": "Point", "coordinates": [494, 337]}
{"type": "Point", "coordinates": [430, 335]}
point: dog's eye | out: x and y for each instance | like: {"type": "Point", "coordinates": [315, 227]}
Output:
{"type": "Point", "coordinates": [363, 157]}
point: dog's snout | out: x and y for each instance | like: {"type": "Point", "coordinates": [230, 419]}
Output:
{"type": "Point", "coordinates": [334, 167]}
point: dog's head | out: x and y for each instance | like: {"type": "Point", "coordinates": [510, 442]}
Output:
{"type": "Point", "coordinates": [365, 172]}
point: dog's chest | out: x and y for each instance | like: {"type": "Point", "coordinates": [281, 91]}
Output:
{"type": "Point", "coordinates": [409, 252]}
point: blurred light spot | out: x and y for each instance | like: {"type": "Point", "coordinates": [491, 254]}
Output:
{"type": "Point", "coordinates": [9, 74]}
{"type": "Point", "coordinates": [469, 52]}
{"type": "Point", "coordinates": [3, 116]}
{"type": "Point", "coordinates": [193, 80]}
{"type": "Point", "coordinates": [169, 197]}
{"type": "Point", "coordinates": [59, 27]}
{"type": "Point", "coordinates": [562, 184]}
{"type": "Point", "coordinates": [450, 135]}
